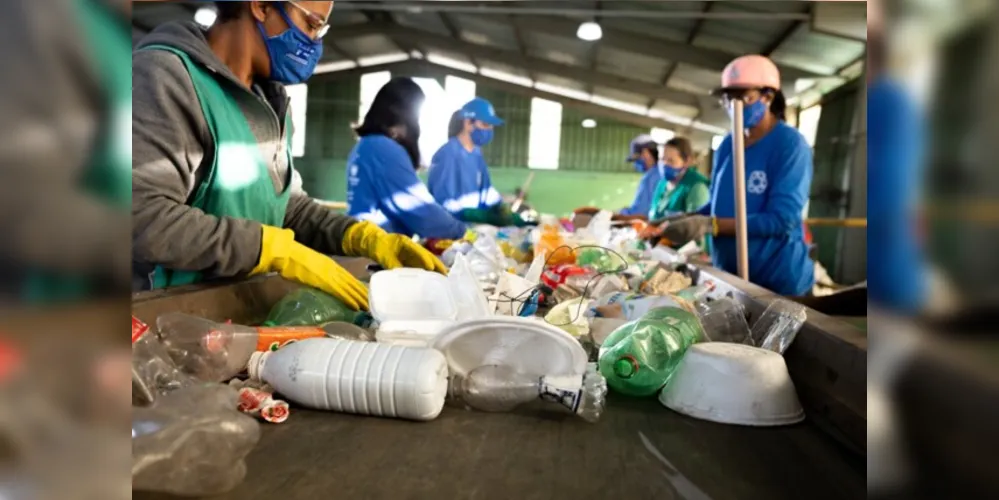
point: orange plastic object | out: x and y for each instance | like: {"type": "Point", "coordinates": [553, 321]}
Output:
{"type": "Point", "coordinates": [554, 248]}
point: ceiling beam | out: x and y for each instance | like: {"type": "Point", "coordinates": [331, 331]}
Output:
{"type": "Point", "coordinates": [455, 33]}
{"type": "Point", "coordinates": [414, 67]}
{"type": "Point", "coordinates": [696, 30]}
{"type": "Point", "coordinates": [521, 45]}
{"type": "Point", "coordinates": [536, 65]}
{"type": "Point", "coordinates": [786, 34]}
{"type": "Point", "coordinates": [680, 52]}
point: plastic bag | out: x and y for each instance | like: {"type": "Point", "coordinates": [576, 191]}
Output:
{"type": "Point", "coordinates": [779, 325]}
{"type": "Point", "coordinates": [192, 442]}
{"type": "Point", "coordinates": [600, 260]}
{"type": "Point", "coordinates": [554, 248]}
{"type": "Point", "coordinates": [571, 317]}
{"type": "Point", "coordinates": [309, 307]}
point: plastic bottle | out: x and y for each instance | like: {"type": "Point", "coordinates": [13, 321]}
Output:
{"type": "Point", "coordinates": [638, 358]}
{"type": "Point", "coordinates": [779, 325]}
{"type": "Point", "coordinates": [309, 307]}
{"type": "Point", "coordinates": [366, 378]}
{"type": "Point", "coordinates": [500, 388]}
{"type": "Point", "coordinates": [554, 248]}
{"type": "Point", "coordinates": [192, 442]}
{"type": "Point", "coordinates": [724, 320]}
{"type": "Point", "coordinates": [216, 351]}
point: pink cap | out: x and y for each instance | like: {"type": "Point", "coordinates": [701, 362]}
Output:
{"type": "Point", "coordinates": [751, 71]}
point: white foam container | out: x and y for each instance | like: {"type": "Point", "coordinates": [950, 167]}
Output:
{"type": "Point", "coordinates": [350, 376]}
{"type": "Point", "coordinates": [529, 345]}
{"type": "Point", "coordinates": [411, 305]}
{"type": "Point", "coordinates": [733, 384]}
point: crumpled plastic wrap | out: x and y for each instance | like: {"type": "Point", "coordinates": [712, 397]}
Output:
{"type": "Point", "coordinates": [192, 442]}
{"type": "Point", "coordinates": [664, 282]}
{"type": "Point", "coordinates": [779, 324]}
{"type": "Point", "coordinates": [571, 317]}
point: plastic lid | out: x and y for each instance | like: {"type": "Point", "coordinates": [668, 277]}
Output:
{"type": "Point", "coordinates": [411, 295]}
{"type": "Point", "coordinates": [256, 365]}
{"type": "Point", "coordinates": [528, 345]}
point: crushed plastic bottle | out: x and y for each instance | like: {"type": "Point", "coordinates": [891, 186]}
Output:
{"type": "Point", "coordinates": [153, 372]}
{"type": "Point", "coordinates": [192, 442]}
{"type": "Point", "coordinates": [309, 307]}
{"type": "Point", "coordinates": [500, 388]}
{"type": "Point", "coordinates": [724, 320]}
{"type": "Point", "coordinates": [639, 357]}
{"type": "Point", "coordinates": [216, 352]}
{"type": "Point", "coordinates": [779, 324]}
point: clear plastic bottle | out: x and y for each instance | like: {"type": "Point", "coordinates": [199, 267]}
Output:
{"type": "Point", "coordinates": [724, 320]}
{"type": "Point", "coordinates": [500, 388]}
{"type": "Point", "coordinates": [779, 325]}
{"type": "Point", "coordinates": [217, 351]}
{"type": "Point", "coordinates": [638, 358]}
{"type": "Point", "coordinates": [365, 378]}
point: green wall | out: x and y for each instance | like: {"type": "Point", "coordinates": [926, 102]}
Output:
{"type": "Point", "coordinates": [592, 170]}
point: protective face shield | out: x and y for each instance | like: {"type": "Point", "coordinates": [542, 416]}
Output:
{"type": "Point", "coordinates": [294, 55]}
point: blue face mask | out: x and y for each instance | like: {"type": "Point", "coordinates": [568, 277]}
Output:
{"type": "Point", "coordinates": [480, 136]}
{"type": "Point", "coordinates": [639, 166]}
{"type": "Point", "coordinates": [294, 54]}
{"type": "Point", "coordinates": [670, 172]}
{"type": "Point", "coordinates": [752, 114]}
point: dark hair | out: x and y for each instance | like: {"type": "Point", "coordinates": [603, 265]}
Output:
{"type": "Point", "coordinates": [456, 125]}
{"type": "Point", "coordinates": [230, 11]}
{"type": "Point", "coordinates": [779, 105]}
{"type": "Point", "coordinates": [397, 103]}
{"type": "Point", "coordinates": [682, 144]}
{"type": "Point", "coordinates": [653, 149]}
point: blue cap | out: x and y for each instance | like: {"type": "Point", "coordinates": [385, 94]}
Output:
{"type": "Point", "coordinates": [482, 110]}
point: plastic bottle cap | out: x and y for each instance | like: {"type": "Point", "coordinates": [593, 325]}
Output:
{"type": "Point", "coordinates": [625, 367]}
{"type": "Point", "coordinates": [256, 364]}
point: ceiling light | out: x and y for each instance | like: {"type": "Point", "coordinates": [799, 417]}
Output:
{"type": "Point", "coordinates": [590, 31]}
{"type": "Point", "coordinates": [589, 123]}
{"type": "Point", "coordinates": [205, 16]}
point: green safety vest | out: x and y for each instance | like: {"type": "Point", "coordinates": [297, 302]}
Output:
{"type": "Point", "coordinates": [238, 183]}
{"type": "Point", "coordinates": [676, 201]}
{"type": "Point", "coordinates": [109, 172]}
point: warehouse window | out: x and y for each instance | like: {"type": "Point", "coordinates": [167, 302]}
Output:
{"type": "Point", "coordinates": [371, 83]}
{"type": "Point", "coordinates": [545, 134]}
{"type": "Point", "coordinates": [299, 98]}
{"type": "Point", "coordinates": [459, 91]}
{"type": "Point", "coordinates": [808, 123]}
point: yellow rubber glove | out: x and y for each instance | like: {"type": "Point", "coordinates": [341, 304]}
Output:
{"type": "Point", "coordinates": [294, 261]}
{"type": "Point", "coordinates": [365, 239]}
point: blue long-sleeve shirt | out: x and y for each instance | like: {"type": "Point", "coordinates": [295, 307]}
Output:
{"type": "Point", "coordinates": [382, 187]}
{"type": "Point", "coordinates": [778, 179]}
{"type": "Point", "coordinates": [896, 271]}
{"type": "Point", "coordinates": [646, 191]}
{"type": "Point", "coordinates": [459, 179]}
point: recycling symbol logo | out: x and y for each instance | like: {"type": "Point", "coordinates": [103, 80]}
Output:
{"type": "Point", "coordinates": [757, 182]}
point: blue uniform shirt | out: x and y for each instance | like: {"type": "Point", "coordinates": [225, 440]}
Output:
{"type": "Point", "coordinates": [646, 190]}
{"type": "Point", "coordinates": [896, 268]}
{"type": "Point", "coordinates": [778, 179]}
{"type": "Point", "coordinates": [382, 188]}
{"type": "Point", "coordinates": [459, 179]}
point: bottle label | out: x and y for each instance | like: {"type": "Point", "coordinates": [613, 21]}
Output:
{"type": "Point", "coordinates": [272, 338]}
{"type": "Point", "coordinates": [565, 390]}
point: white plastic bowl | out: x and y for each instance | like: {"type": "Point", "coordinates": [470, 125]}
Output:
{"type": "Point", "coordinates": [528, 345]}
{"type": "Point", "coordinates": [733, 384]}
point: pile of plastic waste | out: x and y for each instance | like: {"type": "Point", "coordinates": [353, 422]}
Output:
{"type": "Point", "coordinates": [548, 316]}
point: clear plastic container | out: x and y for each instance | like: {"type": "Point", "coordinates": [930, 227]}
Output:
{"type": "Point", "coordinates": [366, 378]}
{"type": "Point", "coordinates": [501, 388]}
{"type": "Point", "coordinates": [724, 320]}
{"type": "Point", "coordinates": [779, 325]}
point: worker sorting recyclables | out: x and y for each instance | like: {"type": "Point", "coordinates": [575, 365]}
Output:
{"type": "Point", "coordinates": [643, 154]}
{"type": "Point", "coordinates": [778, 180]}
{"type": "Point", "coordinates": [459, 179]}
{"type": "Point", "coordinates": [212, 182]}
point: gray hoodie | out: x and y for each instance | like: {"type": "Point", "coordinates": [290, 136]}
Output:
{"type": "Point", "coordinates": [171, 151]}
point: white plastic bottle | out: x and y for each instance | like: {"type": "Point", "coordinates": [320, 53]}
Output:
{"type": "Point", "coordinates": [349, 376]}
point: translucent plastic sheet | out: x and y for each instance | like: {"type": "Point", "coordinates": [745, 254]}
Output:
{"type": "Point", "coordinates": [779, 325]}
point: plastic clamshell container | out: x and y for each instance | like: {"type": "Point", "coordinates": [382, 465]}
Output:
{"type": "Point", "coordinates": [468, 294]}
{"type": "Point", "coordinates": [411, 305]}
{"type": "Point", "coordinates": [528, 345]}
{"type": "Point", "coordinates": [365, 378]}
{"type": "Point", "coordinates": [733, 384]}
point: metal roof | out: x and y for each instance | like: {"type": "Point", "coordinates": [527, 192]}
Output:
{"type": "Point", "coordinates": [657, 58]}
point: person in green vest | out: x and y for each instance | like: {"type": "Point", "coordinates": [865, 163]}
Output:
{"type": "Point", "coordinates": [212, 173]}
{"type": "Point", "coordinates": [683, 189]}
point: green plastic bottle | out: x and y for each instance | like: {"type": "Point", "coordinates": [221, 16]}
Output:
{"type": "Point", "coordinates": [638, 358]}
{"type": "Point", "coordinates": [309, 307]}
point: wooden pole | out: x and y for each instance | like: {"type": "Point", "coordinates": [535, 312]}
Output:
{"type": "Point", "coordinates": [739, 173]}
